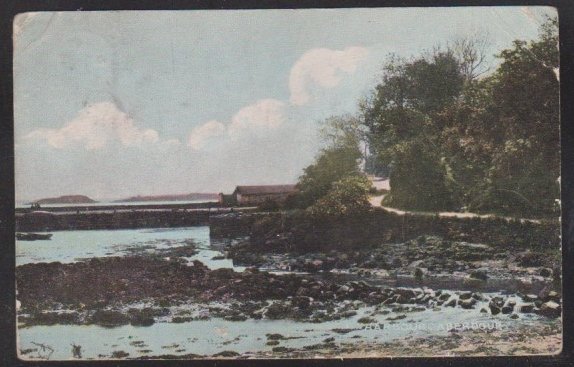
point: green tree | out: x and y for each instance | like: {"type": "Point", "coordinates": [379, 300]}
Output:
{"type": "Point", "coordinates": [525, 159]}
{"type": "Point", "coordinates": [406, 117]}
{"type": "Point", "coordinates": [340, 158]}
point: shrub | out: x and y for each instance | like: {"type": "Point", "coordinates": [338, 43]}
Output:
{"type": "Point", "coordinates": [349, 195]}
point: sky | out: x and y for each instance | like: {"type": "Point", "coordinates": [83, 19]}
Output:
{"type": "Point", "coordinates": [118, 104]}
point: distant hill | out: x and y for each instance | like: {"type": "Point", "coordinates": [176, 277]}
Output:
{"type": "Point", "coordinates": [180, 197]}
{"type": "Point", "coordinates": [67, 199]}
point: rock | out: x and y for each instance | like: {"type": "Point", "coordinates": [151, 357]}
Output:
{"type": "Point", "coordinates": [302, 302]}
{"type": "Point", "coordinates": [109, 318]}
{"type": "Point", "coordinates": [545, 272]}
{"type": "Point", "coordinates": [277, 311]}
{"type": "Point", "coordinates": [483, 310]}
{"type": "Point", "coordinates": [465, 295]}
{"type": "Point", "coordinates": [478, 274]}
{"type": "Point", "coordinates": [405, 293]}
{"type": "Point", "coordinates": [507, 309]}
{"type": "Point", "coordinates": [142, 320]}
{"type": "Point", "coordinates": [235, 317]}
{"type": "Point", "coordinates": [392, 299]}
{"type": "Point", "coordinates": [530, 259]}
{"type": "Point", "coordinates": [494, 309]}
{"type": "Point", "coordinates": [51, 318]}
{"type": "Point", "coordinates": [403, 300]}
{"type": "Point", "coordinates": [478, 296]}
{"type": "Point", "coordinates": [467, 304]}
{"type": "Point", "coordinates": [418, 273]}
{"type": "Point", "coordinates": [281, 349]}
{"type": "Point", "coordinates": [497, 301]}
{"type": "Point", "coordinates": [143, 317]}
{"type": "Point", "coordinates": [344, 289]}
{"type": "Point", "coordinates": [529, 297]}
{"type": "Point", "coordinates": [495, 305]}
{"type": "Point", "coordinates": [226, 353]}
{"type": "Point", "coordinates": [119, 354]}
{"type": "Point", "coordinates": [550, 309]}
{"type": "Point", "coordinates": [398, 317]}
{"type": "Point", "coordinates": [275, 336]}
{"type": "Point", "coordinates": [553, 296]}
{"type": "Point", "coordinates": [444, 296]}
{"type": "Point", "coordinates": [451, 303]}
{"type": "Point", "coordinates": [366, 320]}
{"type": "Point", "coordinates": [514, 316]}
{"type": "Point", "coordinates": [527, 308]}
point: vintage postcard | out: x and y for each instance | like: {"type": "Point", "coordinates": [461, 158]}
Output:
{"type": "Point", "coordinates": [312, 183]}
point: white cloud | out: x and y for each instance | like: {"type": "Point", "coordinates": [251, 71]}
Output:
{"type": "Point", "coordinates": [257, 118]}
{"type": "Point", "coordinates": [323, 67]}
{"type": "Point", "coordinates": [201, 134]}
{"type": "Point", "coordinates": [94, 127]}
{"type": "Point", "coordinates": [265, 113]}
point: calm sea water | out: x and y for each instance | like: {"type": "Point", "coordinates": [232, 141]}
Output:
{"type": "Point", "coordinates": [111, 203]}
{"type": "Point", "coordinates": [71, 246]}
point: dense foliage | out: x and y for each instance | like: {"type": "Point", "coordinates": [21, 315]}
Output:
{"type": "Point", "coordinates": [347, 196]}
{"type": "Point", "coordinates": [454, 140]}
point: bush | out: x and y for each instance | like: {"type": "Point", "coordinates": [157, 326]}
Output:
{"type": "Point", "coordinates": [269, 205]}
{"type": "Point", "coordinates": [349, 195]}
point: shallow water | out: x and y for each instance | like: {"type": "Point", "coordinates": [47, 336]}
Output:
{"type": "Point", "coordinates": [208, 337]}
{"type": "Point", "coordinates": [71, 246]}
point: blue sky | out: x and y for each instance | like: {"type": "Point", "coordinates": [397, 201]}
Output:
{"type": "Point", "coordinates": [115, 104]}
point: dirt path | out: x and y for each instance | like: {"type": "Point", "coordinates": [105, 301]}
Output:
{"type": "Point", "coordinates": [376, 202]}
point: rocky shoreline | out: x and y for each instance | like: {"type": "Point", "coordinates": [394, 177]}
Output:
{"type": "Point", "coordinates": [146, 288]}
{"type": "Point", "coordinates": [347, 289]}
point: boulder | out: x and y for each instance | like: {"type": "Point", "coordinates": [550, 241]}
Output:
{"type": "Point", "coordinates": [529, 297]}
{"type": "Point", "coordinates": [550, 309]}
{"type": "Point", "coordinates": [467, 304]}
{"type": "Point", "coordinates": [444, 296]}
{"type": "Point", "coordinates": [405, 293]}
{"type": "Point", "coordinates": [450, 303]}
{"type": "Point", "coordinates": [527, 308]}
{"type": "Point", "coordinates": [495, 310]}
{"type": "Point", "coordinates": [553, 296]}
